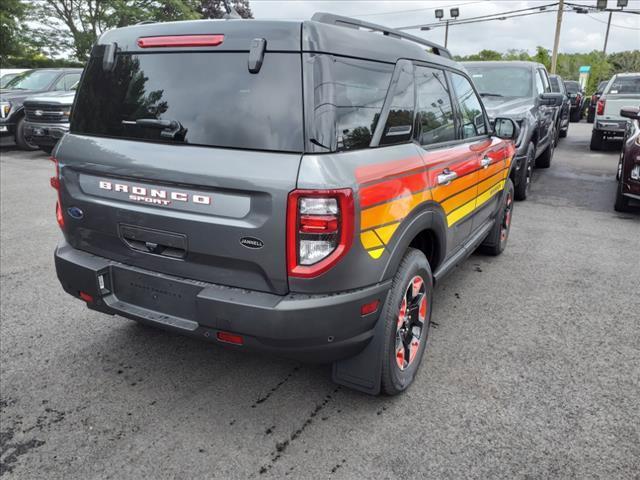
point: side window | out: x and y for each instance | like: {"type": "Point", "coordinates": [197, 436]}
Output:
{"type": "Point", "coordinates": [545, 80]}
{"type": "Point", "coordinates": [399, 126]}
{"type": "Point", "coordinates": [539, 85]}
{"type": "Point", "coordinates": [435, 115]}
{"type": "Point", "coordinates": [473, 120]}
{"type": "Point", "coordinates": [348, 95]}
{"type": "Point", "coordinates": [70, 80]}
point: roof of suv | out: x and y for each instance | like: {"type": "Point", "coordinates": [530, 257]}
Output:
{"type": "Point", "coordinates": [505, 63]}
{"type": "Point", "coordinates": [324, 33]}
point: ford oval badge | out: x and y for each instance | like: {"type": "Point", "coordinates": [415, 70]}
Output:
{"type": "Point", "coordinates": [252, 242]}
{"type": "Point", "coordinates": [75, 212]}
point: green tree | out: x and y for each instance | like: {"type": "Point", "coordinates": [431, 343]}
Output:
{"type": "Point", "coordinates": [13, 38]}
{"type": "Point", "coordinates": [215, 8]}
{"type": "Point", "coordinates": [75, 25]}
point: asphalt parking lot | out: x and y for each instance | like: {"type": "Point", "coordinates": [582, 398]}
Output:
{"type": "Point", "coordinates": [532, 370]}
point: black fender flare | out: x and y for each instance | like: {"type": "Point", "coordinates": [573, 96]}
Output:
{"type": "Point", "coordinates": [428, 216]}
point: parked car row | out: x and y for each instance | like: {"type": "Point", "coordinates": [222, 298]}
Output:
{"type": "Point", "coordinates": [35, 107]}
{"type": "Point", "coordinates": [522, 91]}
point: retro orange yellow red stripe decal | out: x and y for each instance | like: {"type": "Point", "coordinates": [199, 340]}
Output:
{"type": "Point", "coordinates": [390, 191]}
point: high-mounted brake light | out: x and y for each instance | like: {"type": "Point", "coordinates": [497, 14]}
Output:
{"type": "Point", "coordinates": [319, 230]}
{"type": "Point", "coordinates": [181, 41]}
{"type": "Point", "coordinates": [600, 107]}
{"type": "Point", "coordinates": [55, 183]}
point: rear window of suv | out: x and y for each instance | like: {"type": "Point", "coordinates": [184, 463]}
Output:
{"type": "Point", "coordinates": [213, 97]}
{"type": "Point", "coordinates": [622, 85]}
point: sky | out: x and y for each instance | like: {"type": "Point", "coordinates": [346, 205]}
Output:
{"type": "Point", "coordinates": [579, 32]}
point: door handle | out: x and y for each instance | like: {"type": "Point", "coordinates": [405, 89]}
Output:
{"type": "Point", "coordinates": [446, 177]}
{"type": "Point", "coordinates": [485, 162]}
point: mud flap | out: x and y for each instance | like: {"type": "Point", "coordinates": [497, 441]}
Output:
{"type": "Point", "coordinates": [363, 372]}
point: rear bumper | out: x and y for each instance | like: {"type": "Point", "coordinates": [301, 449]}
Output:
{"type": "Point", "coordinates": [46, 134]}
{"type": "Point", "coordinates": [611, 127]}
{"type": "Point", "coordinates": [314, 328]}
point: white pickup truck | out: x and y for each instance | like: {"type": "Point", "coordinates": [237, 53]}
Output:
{"type": "Point", "coordinates": [623, 90]}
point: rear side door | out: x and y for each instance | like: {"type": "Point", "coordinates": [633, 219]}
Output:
{"type": "Point", "coordinates": [489, 160]}
{"type": "Point", "coordinates": [451, 161]}
{"type": "Point", "coordinates": [546, 113]}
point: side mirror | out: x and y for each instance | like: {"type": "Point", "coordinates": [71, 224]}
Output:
{"type": "Point", "coordinates": [630, 112]}
{"type": "Point", "coordinates": [552, 99]}
{"type": "Point", "coordinates": [506, 128]}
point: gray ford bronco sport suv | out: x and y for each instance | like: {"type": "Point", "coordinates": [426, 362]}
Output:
{"type": "Point", "coordinates": [288, 187]}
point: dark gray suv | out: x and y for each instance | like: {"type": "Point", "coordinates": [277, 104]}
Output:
{"type": "Point", "coordinates": [289, 187]}
{"type": "Point", "coordinates": [522, 91]}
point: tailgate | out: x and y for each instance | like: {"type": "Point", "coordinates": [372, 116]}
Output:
{"type": "Point", "coordinates": [614, 103]}
{"type": "Point", "coordinates": [210, 214]}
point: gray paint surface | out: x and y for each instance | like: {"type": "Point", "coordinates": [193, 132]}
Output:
{"type": "Point", "coordinates": [533, 369]}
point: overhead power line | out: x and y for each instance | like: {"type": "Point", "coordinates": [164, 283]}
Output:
{"type": "Point", "coordinates": [533, 10]}
{"type": "Point", "coordinates": [418, 9]}
{"type": "Point", "coordinates": [613, 24]}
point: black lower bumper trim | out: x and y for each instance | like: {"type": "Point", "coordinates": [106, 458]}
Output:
{"type": "Point", "coordinates": [315, 328]}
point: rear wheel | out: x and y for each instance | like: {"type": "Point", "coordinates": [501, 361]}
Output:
{"type": "Point", "coordinates": [591, 115]}
{"type": "Point", "coordinates": [575, 115]}
{"type": "Point", "coordinates": [526, 174]}
{"type": "Point", "coordinates": [22, 142]}
{"type": "Point", "coordinates": [496, 241]}
{"type": "Point", "coordinates": [597, 140]}
{"type": "Point", "coordinates": [563, 133]}
{"type": "Point", "coordinates": [407, 316]}
{"type": "Point", "coordinates": [544, 160]}
{"type": "Point", "coordinates": [622, 202]}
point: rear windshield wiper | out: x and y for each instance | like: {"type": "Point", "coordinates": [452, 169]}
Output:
{"type": "Point", "coordinates": [487, 94]}
{"type": "Point", "coordinates": [170, 128]}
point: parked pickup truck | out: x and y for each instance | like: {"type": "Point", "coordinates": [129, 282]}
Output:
{"type": "Point", "coordinates": [303, 202]}
{"type": "Point", "coordinates": [28, 84]}
{"type": "Point", "coordinates": [623, 90]}
{"type": "Point", "coordinates": [47, 118]}
{"type": "Point", "coordinates": [522, 91]}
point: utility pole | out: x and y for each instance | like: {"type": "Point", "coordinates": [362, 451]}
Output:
{"type": "Point", "coordinates": [556, 42]}
{"type": "Point", "coordinates": [606, 36]}
{"type": "Point", "coordinates": [446, 34]}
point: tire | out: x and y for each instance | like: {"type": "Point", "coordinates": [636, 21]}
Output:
{"type": "Point", "coordinates": [526, 175]}
{"type": "Point", "coordinates": [591, 115]}
{"type": "Point", "coordinates": [574, 115]}
{"type": "Point", "coordinates": [414, 270]}
{"type": "Point", "coordinates": [622, 202]}
{"type": "Point", "coordinates": [496, 240]}
{"type": "Point", "coordinates": [544, 160]}
{"type": "Point", "coordinates": [597, 140]}
{"type": "Point", "coordinates": [556, 137]}
{"type": "Point", "coordinates": [564, 133]}
{"type": "Point", "coordinates": [21, 140]}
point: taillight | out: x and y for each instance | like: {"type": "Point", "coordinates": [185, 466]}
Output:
{"type": "Point", "coordinates": [55, 183]}
{"type": "Point", "coordinates": [319, 230]}
{"type": "Point", "coordinates": [600, 108]}
{"type": "Point", "coordinates": [594, 98]}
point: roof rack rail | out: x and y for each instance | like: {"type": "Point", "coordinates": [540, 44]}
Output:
{"type": "Point", "coordinates": [349, 22]}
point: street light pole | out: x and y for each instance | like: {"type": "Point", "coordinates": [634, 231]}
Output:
{"type": "Point", "coordinates": [446, 34]}
{"type": "Point", "coordinates": [556, 41]}
{"type": "Point", "coordinates": [606, 36]}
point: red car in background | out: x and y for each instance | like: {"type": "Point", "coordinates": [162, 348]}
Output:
{"type": "Point", "coordinates": [629, 165]}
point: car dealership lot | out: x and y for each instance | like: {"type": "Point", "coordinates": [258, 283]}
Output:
{"type": "Point", "coordinates": [533, 368]}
